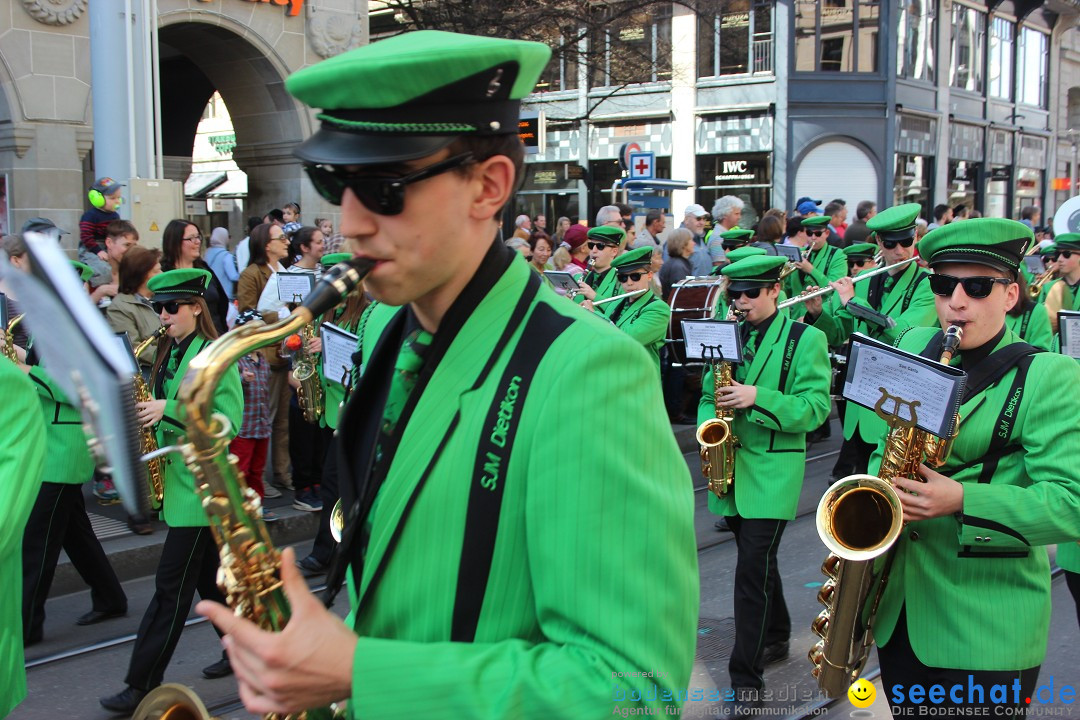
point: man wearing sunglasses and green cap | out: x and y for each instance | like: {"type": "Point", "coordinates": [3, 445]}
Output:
{"type": "Point", "coordinates": [486, 579]}
{"type": "Point", "coordinates": [968, 597]}
{"type": "Point", "coordinates": [643, 316]}
{"type": "Point", "coordinates": [900, 298]}
{"type": "Point", "coordinates": [605, 243]}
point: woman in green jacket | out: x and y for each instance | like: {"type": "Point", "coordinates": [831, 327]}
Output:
{"type": "Point", "coordinates": [189, 558]}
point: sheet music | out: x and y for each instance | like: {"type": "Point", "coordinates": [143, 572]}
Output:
{"type": "Point", "coordinates": [712, 333]}
{"type": "Point", "coordinates": [338, 347]}
{"type": "Point", "coordinates": [3, 312]}
{"type": "Point", "coordinates": [294, 287]}
{"type": "Point", "coordinates": [1035, 264]}
{"type": "Point", "coordinates": [1069, 327]}
{"type": "Point", "coordinates": [791, 252]}
{"type": "Point", "coordinates": [562, 280]}
{"type": "Point", "coordinates": [124, 342]}
{"type": "Point", "coordinates": [873, 366]}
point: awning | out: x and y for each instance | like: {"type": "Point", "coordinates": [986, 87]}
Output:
{"type": "Point", "coordinates": [199, 184]}
{"type": "Point", "coordinates": [235, 186]}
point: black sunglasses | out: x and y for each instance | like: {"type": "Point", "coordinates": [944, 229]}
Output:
{"type": "Point", "coordinates": [890, 244]}
{"type": "Point", "coordinates": [385, 196]}
{"type": "Point", "coordinates": [598, 245]}
{"type": "Point", "coordinates": [976, 287]}
{"type": "Point", "coordinates": [1061, 254]}
{"type": "Point", "coordinates": [752, 293]}
{"type": "Point", "coordinates": [635, 276]}
{"type": "Point", "coordinates": [815, 233]}
{"type": "Point", "coordinates": [172, 306]}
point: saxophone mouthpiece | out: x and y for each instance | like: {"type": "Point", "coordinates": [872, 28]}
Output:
{"type": "Point", "coordinates": [338, 282]}
{"type": "Point", "coordinates": [953, 336]}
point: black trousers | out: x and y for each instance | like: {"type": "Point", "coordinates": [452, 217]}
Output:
{"type": "Point", "coordinates": [189, 562]}
{"type": "Point", "coordinates": [1073, 581]}
{"type": "Point", "coordinates": [307, 449]}
{"type": "Point", "coordinates": [59, 520]}
{"type": "Point", "coordinates": [761, 615]}
{"type": "Point", "coordinates": [900, 666]}
{"type": "Point", "coordinates": [324, 545]}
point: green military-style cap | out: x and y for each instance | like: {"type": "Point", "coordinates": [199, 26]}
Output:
{"type": "Point", "coordinates": [634, 259]}
{"type": "Point", "coordinates": [178, 284]}
{"type": "Point", "coordinates": [860, 251]}
{"type": "Point", "coordinates": [895, 223]}
{"type": "Point", "coordinates": [607, 234]}
{"type": "Point", "coordinates": [754, 271]}
{"type": "Point", "coordinates": [1067, 241]}
{"type": "Point", "coordinates": [411, 95]}
{"type": "Point", "coordinates": [996, 242]}
{"type": "Point", "coordinates": [334, 258]}
{"type": "Point", "coordinates": [85, 271]}
{"type": "Point", "coordinates": [738, 254]}
{"type": "Point", "coordinates": [815, 221]}
{"type": "Point", "coordinates": [1048, 249]}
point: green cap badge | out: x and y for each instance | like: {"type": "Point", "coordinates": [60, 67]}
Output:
{"type": "Point", "coordinates": [411, 95]}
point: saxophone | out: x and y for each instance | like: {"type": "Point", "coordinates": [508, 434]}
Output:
{"type": "Point", "coordinates": [306, 372]}
{"type": "Point", "coordinates": [250, 568]}
{"type": "Point", "coordinates": [155, 475]}
{"type": "Point", "coordinates": [859, 519]}
{"type": "Point", "coordinates": [9, 344]}
{"type": "Point", "coordinates": [716, 436]}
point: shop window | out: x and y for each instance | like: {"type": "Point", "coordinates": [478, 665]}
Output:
{"type": "Point", "coordinates": [915, 51]}
{"type": "Point", "coordinates": [836, 35]}
{"type": "Point", "coordinates": [1001, 59]}
{"type": "Point", "coordinates": [1031, 69]}
{"type": "Point", "coordinates": [747, 176]}
{"type": "Point", "coordinates": [561, 72]}
{"type": "Point", "coordinates": [913, 176]}
{"type": "Point", "coordinates": [968, 49]}
{"type": "Point", "coordinates": [735, 38]}
{"type": "Point", "coordinates": [633, 46]}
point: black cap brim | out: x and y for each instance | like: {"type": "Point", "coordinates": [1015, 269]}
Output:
{"type": "Point", "coordinates": [751, 284]}
{"type": "Point", "coordinates": [945, 258]}
{"type": "Point", "coordinates": [329, 146]}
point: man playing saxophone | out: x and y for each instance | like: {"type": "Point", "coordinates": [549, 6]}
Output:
{"type": "Point", "coordinates": [780, 392]}
{"type": "Point", "coordinates": [969, 589]}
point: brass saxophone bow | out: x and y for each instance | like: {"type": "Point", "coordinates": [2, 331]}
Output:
{"type": "Point", "coordinates": [716, 435]}
{"type": "Point", "coordinates": [148, 440]}
{"type": "Point", "coordinates": [9, 342]}
{"type": "Point", "coordinates": [859, 519]}
{"type": "Point", "coordinates": [250, 568]}
{"type": "Point", "coordinates": [310, 393]}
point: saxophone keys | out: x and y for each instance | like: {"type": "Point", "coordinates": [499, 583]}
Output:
{"type": "Point", "coordinates": [831, 567]}
{"type": "Point", "coordinates": [820, 626]}
{"type": "Point", "coordinates": [825, 594]}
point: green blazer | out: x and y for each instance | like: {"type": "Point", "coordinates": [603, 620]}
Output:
{"type": "Point", "coordinates": [977, 586]}
{"type": "Point", "coordinates": [1068, 556]}
{"type": "Point", "coordinates": [1033, 326]}
{"type": "Point", "coordinates": [22, 457]}
{"type": "Point", "coordinates": [644, 318]}
{"type": "Point", "coordinates": [830, 264]}
{"type": "Point", "coordinates": [594, 566]}
{"type": "Point", "coordinates": [606, 284]}
{"type": "Point", "coordinates": [68, 461]}
{"type": "Point", "coordinates": [182, 506]}
{"type": "Point", "coordinates": [909, 302]}
{"type": "Point", "coordinates": [771, 459]}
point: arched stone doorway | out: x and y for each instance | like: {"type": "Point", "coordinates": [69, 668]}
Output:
{"type": "Point", "coordinates": [838, 167]}
{"type": "Point", "coordinates": [204, 51]}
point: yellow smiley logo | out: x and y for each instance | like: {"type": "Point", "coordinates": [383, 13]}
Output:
{"type": "Point", "coordinates": [861, 694]}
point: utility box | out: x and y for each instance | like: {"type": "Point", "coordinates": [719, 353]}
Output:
{"type": "Point", "coordinates": [153, 204]}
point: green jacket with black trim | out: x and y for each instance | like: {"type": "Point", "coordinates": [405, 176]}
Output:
{"type": "Point", "coordinates": [976, 586]}
{"type": "Point", "coordinates": [1033, 326]}
{"type": "Point", "coordinates": [68, 461]}
{"type": "Point", "coordinates": [182, 506]}
{"type": "Point", "coordinates": [586, 579]}
{"type": "Point", "coordinates": [830, 264]}
{"type": "Point", "coordinates": [23, 443]}
{"type": "Point", "coordinates": [792, 375]}
{"type": "Point", "coordinates": [644, 318]}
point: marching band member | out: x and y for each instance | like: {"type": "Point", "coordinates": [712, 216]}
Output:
{"type": "Point", "coordinates": [189, 557]}
{"type": "Point", "coordinates": [644, 317]}
{"type": "Point", "coordinates": [605, 244]}
{"type": "Point", "coordinates": [968, 598]}
{"type": "Point", "coordinates": [1028, 318]}
{"type": "Point", "coordinates": [902, 294]}
{"type": "Point", "coordinates": [58, 518]}
{"type": "Point", "coordinates": [780, 392]}
{"type": "Point", "coordinates": [1055, 293]}
{"type": "Point", "coordinates": [822, 263]}
{"type": "Point", "coordinates": [1067, 252]}
{"type": "Point", "coordinates": [446, 476]}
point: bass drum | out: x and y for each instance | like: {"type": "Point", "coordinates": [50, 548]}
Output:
{"type": "Point", "coordinates": [694, 298]}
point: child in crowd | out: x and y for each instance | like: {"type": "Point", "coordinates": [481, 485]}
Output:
{"type": "Point", "coordinates": [104, 197]}
{"type": "Point", "coordinates": [291, 214]}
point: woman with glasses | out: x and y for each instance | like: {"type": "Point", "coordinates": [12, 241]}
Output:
{"type": "Point", "coordinates": [643, 316]}
{"type": "Point", "coordinates": [189, 557]}
{"type": "Point", "coordinates": [779, 393]}
{"type": "Point", "coordinates": [181, 248]}
{"type": "Point", "coordinates": [882, 307]}
{"type": "Point", "coordinates": [269, 247]}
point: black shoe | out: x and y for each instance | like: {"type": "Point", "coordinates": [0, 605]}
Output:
{"type": "Point", "coordinates": [125, 701]}
{"type": "Point", "coordinates": [95, 616]}
{"type": "Point", "coordinates": [33, 639]}
{"type": "Point", "coordinates": [775, 652]}
{"type": "Point", "coordinates": [721, 525]}
{"type": "Point", "coordinates": [746, 701]}
{"type": "Point", "coordinates": [220, 669]}
{"type": "Point", "coordinates": [311, 565]}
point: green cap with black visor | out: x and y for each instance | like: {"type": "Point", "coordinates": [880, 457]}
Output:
{"type": "Point", "coordinates": [607, 234]}
{"type": "Point", "coordinates": [633, 260]}
{"type": "Point", "coordinates": [178, 284]}
{"type": "Point", "coordinates": [996, 242]}
{"type": "Point", "coordinates": [895, 223]}
{"type": "Point", "coordinates": [738, 254]}
{"type": "Point", "coordinates": [754, 272]}
{"type": "Point", "coordinates": [735, 237]}
{"type": "Point", "coordinates": [1067, 241]}
{"type": "Point", "coordinates": [860, 252]}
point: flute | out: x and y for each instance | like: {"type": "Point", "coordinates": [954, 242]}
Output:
{"type": "Point", "coordinates": [826, 290]}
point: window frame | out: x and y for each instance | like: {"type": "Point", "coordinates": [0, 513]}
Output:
{"type": "Point", "coordinates": [856, 7]}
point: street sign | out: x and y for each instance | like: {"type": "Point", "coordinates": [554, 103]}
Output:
{"type": "Point", "coordinates": [641, 165]}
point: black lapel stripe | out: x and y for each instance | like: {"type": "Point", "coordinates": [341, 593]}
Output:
{"type": "Point", "coordinates": [488, 482]}
{"type": "Point", "coordinates": [993, 525]}
{"type": "Point", "coordinates": [1006, 420]}
{"type": "Point", "coordinates": [793, 338]}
